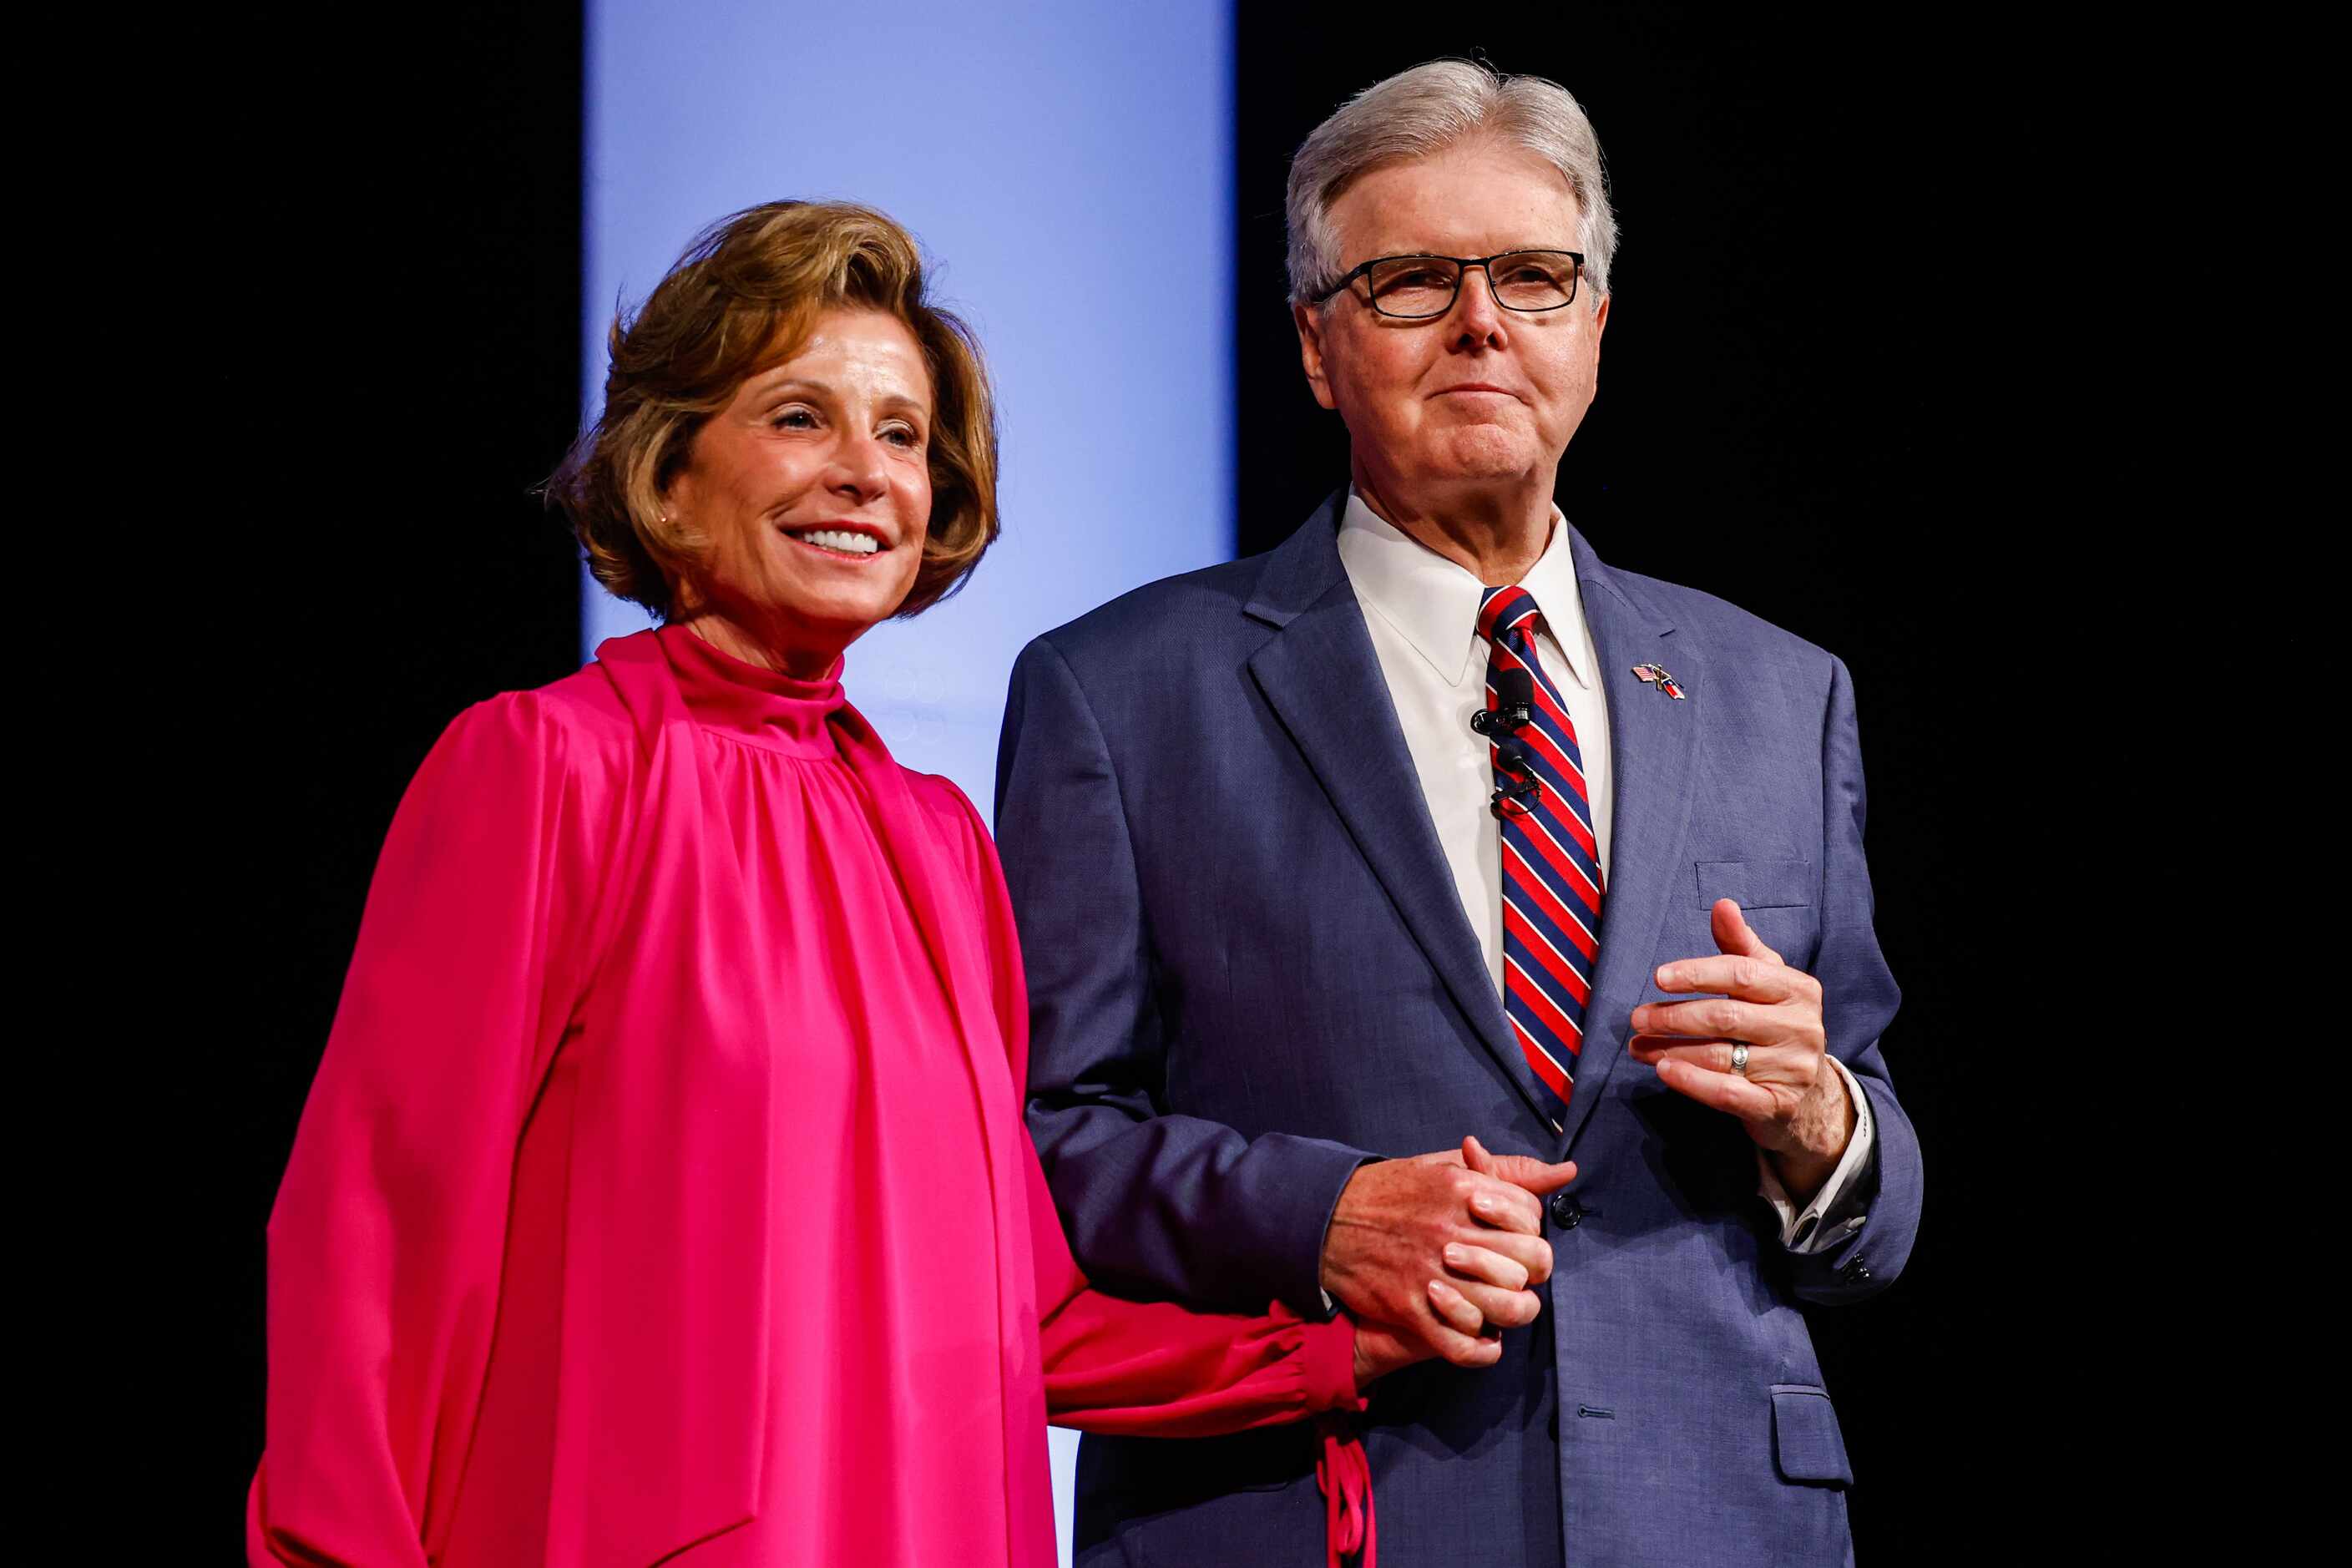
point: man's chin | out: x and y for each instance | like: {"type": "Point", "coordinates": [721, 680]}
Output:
{"type": "Point", "coordinates": [1482, 451]}
{"type": "Point", "coordinates": [1499, 465]}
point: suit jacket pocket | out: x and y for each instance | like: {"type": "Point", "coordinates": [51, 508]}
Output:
{"type": "Point", "coordinates": [1806, 1442]}
{"type": "Point", "coordinates": [1757, 884]}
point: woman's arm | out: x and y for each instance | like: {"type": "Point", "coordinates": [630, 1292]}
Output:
{"type": "Point", "coordinates": [1156, 1369]}
{"type": "Point", "coordinates": [386, 1238]}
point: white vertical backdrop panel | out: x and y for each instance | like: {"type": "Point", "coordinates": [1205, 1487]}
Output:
{"type": "Point", "coordinates": [1065, 166]}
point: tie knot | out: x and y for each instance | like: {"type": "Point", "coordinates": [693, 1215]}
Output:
{"type": "Point", "coordinates": [1505, 612]}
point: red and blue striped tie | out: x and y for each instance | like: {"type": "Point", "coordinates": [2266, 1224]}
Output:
{"type": "Point", "coordinates": [1551, 862]}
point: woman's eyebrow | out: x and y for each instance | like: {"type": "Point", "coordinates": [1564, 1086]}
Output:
{"type": "Point", "coordinates": [794, 383]}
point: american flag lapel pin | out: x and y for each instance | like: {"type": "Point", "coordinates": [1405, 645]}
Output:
{"type": "Point", "coordinates": [1656, 675]}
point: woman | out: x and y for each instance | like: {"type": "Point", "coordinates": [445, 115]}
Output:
{"type": "Point", "coordinates": [664, 1188]}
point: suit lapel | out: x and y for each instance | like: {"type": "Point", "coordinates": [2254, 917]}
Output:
{"type": "Point", "coordinates": [1653, 743]}
{"type": "Point", "coordinates": [1319, 674]}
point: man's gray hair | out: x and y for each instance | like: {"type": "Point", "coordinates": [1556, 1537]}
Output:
{"type": "Point", "coordinates": [1424, 111]}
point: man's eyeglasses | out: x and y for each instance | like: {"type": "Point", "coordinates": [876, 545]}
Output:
{"type": "Point", "coordinates": [1418, 288]}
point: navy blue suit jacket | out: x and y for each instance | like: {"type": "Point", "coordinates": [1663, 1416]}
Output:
{"type": "Point", "coordinates": [1249, 970]}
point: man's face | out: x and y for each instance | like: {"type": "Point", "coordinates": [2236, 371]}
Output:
{"type": "Point", "coordinates": [1480, 397]}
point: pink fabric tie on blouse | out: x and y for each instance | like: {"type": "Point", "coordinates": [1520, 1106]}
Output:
{"type": "Point", "coordinates": [1343, 1472]}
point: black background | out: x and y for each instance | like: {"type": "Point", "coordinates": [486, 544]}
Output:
{"type": "Point", "coordinates": [1809, 404]}
{"type": "Point", "coordinates": [392, 221]}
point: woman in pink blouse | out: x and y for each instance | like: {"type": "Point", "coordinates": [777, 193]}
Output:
{"type": "Point", "coordinates": [664, 1195]}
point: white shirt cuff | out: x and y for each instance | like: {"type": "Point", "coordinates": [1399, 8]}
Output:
{"type": "Point", "coordinates": [1802, 1232]}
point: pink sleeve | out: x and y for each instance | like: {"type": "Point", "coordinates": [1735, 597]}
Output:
{"type": "Point", "coordinates": [386, 1239]}
{"type": "Point", "coordinates": [1156, 1369]}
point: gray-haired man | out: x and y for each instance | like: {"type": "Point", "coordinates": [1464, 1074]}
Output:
{"type": "Point", "coordinates": [1290, 912]}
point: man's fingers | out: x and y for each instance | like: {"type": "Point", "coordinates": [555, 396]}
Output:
{"type": "Point", "coordinates": [1454, 1310]}
{"type": "Point", "coordinates": [1709, 1056]}
{"type": "Point", "coordinates": [1734, 934]}
{"type": "Point", "coordinates": [1724, 1091]}
{"type": "Point", "coordinates": [1652, 1049]}
{"type": "Point", "coordinates": [1463, 1349]}
{"type": "Point", "coordinates": [1720, 1017]}
{"type": "Point", "coordinates": [1503, 1309]}
{"type": "Point", "coordinates": [1532, 1253]}
{"type": "Point", "coordinates": [1783, 1067]}
{"type": "Point", "coordinates": [1765, 1064]}
{"type": "Point", "coordinates": [1486, 1263]}
{"type": "Point", "coordinates": [1742, 976]}
{"type": "Point", "coordinates": [1507, 1207]}
{"type": "Point", "coordinates": [1523, 1170]}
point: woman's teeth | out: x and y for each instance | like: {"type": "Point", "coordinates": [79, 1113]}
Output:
{"type": "Point", "coordinates": [839, 539]}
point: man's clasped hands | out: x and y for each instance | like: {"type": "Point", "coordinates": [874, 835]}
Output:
{"type": "Point", "coordinates": [1433, 1256]}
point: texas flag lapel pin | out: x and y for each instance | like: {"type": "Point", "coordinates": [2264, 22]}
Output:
{"type": "Point", "coordinates": [1656, 675]}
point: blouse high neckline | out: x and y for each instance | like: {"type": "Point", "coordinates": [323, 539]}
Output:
{"type": "Point", "coordinates": [765, 707]}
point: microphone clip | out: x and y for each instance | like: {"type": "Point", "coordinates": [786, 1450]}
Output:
{"type": "Point", "coordinates": [1517, 798]}
{"type": "Point", "coordinates": [1516, 794]}
{"type": "Point", "coordinates": [1492, 721]}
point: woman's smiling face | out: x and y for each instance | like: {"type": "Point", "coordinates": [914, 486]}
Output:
{"type": "Point", "coordinates": [811, 493]}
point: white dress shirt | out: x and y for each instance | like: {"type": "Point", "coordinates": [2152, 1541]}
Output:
{"type": "Point", "coordinates": [1422, 613]}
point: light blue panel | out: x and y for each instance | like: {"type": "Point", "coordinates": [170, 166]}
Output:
{"type": "Point", "coordinates": [1066, 168]}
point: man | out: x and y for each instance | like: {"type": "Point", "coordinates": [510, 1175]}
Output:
{"type": "Point", "coordinates": [1289, 914]}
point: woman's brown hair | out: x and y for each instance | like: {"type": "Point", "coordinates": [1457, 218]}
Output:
{"type": "Point", "coordinates": [745, 295]}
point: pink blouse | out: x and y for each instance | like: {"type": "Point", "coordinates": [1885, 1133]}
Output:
{"type": "Point", "coordinates": [664, 1194]}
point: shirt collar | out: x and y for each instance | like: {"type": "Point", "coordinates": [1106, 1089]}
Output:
{"type": "Point", "coordinates": [1435, 603]}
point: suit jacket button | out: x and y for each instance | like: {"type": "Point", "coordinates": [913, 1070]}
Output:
{"type": "Point", "coordinates": [1566, 1212]}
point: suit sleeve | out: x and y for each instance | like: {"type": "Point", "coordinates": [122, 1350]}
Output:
{"type": "Point", "coordinates": [1859, 999]}
{"type": "Point", "coordinates": [386, 1238]}
{"type": "Point", "coordinates": [1142, 1368]}
{"type": "Point", "coordinates": [1153, 1202]}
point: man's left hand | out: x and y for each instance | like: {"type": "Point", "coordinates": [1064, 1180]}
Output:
{"type": "Point", "coordinates": [1793, 1102]}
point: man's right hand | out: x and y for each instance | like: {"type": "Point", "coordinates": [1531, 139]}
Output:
{"type": "Point", "coordinates": [1422, 1251]}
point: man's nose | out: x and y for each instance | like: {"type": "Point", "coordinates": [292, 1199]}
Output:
{"type": "Point", "coordinates": [1478, 319]}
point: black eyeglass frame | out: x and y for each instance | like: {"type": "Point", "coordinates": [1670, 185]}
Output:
{"type": "Point", "coordinates": [1462, 265]}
